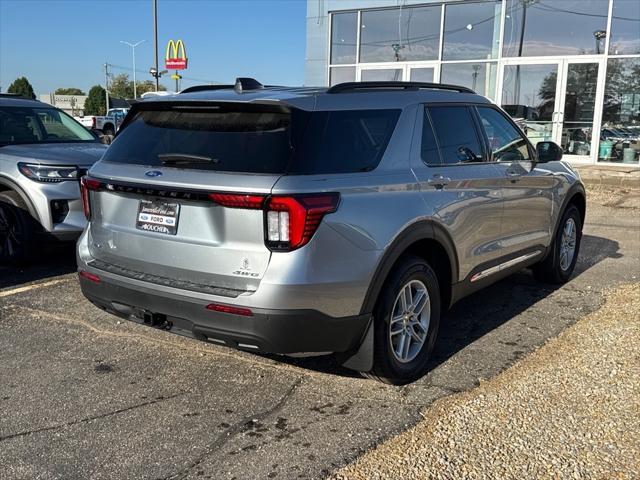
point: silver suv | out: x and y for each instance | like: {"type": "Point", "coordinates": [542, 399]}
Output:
{"type": "Point", "coordinates": [43, 154]}
{"type": "Point", "coordinates": [308, 221]}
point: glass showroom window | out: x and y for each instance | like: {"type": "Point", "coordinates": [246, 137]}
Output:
{"type": "Point", "coordinates": [569, 27]}
{"type": "Point", "coordinates": [344, 48]}
{"type": "Point", "coordinates": [625, 28]}
{"type": "Point", "coordinates": [342, 75]}
{"type": "Point", "coordinates": [479, 77]}
{"type": "Point", "coordinates": [528, 93]}
{"type": "Point", "coordinates": [620, 131]}
{"type": "Point", "coordinates": [344, 31]}
{"type": "Point", "coordinates": [400, 34]}
{"type": "Point", "coordinates": [471, 31]}
{"type": "Point", "coordinates": [578, 112]}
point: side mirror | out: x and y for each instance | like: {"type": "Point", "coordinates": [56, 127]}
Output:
{"type": "Point", "coordinates": [548, 152]}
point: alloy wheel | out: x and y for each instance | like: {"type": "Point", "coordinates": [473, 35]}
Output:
{"type": "Point", "coordinates": [409, 323]}
{"type": "Point", "coordinates": [568, 244]}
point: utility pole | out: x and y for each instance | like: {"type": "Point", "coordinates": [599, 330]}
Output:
{"type": "Point", "coordinates": [106, 86]}
{"type": "Point", "coordinates": [133, 49]}
{"type": "Point", "coordinates": [523, 22]}
{"type": "Point", "coordinates": [155, 39]}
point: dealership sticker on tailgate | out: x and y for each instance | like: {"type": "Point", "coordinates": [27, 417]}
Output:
{"type": "Point", "coordinates": [158, 216]}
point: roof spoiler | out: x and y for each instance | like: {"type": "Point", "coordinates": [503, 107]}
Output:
{"type": "Point", "coordinates": [242, 84]}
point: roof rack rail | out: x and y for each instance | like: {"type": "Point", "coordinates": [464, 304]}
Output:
{"type": "Point", "coordinates": [353, 86]}
{"type": "Point", "coordinates": [241, 84]}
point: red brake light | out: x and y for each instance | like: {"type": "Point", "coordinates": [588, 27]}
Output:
{"type": "Point", "coordinates": [87, 184]}
{"type": "Point", "coordinates": [233, 200]}
{"type": "Point", "coordinates": [292, 220]}
{"type": "Point", "coordinates": [216, 307]}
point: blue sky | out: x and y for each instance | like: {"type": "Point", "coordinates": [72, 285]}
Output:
{"type": "Point", "coordinates": [64, 43]}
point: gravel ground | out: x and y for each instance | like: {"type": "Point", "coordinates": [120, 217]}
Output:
{"type": "Point", "coordinates": [616, 197]}
{"type": "Point", "coordinates": [569, 410]}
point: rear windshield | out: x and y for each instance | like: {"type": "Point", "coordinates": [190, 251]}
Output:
{"type": "Point", "coordinates": [257, 139]}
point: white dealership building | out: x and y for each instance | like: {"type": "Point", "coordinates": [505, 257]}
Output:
{"type": "Point", "coordinates": [569, 68]}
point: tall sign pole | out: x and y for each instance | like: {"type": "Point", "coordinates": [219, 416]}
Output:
{"type": "Point", "coordinates": [155, 38]}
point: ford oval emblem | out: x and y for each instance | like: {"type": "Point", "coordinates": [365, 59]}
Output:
{"type": "Point", "coordinates": [153, 173]}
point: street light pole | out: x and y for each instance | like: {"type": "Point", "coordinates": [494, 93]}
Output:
{"type": "Point", "coordinates": [155, 39]}
{"type": "Point", "coordinates": [106, 86]}
{"type": "Point", "coordinates": [133, 49]}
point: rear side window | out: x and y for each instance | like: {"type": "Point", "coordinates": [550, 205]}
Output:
{"type": "Point", "coordinates": [344, 141]}
{"type": "Point", "coordinates": [456, 134]}
{"type": "Point", "coordinates": [256, 139]}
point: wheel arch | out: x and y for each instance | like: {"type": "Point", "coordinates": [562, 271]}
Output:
{"type": "Point", "coordinates": [575, 196]}
{"type": "Point", "coordinates": [425, 239]}
{"type": "Point", "coordinates": [9, 185]}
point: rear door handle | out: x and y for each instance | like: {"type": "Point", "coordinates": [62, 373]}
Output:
{"type": "Point", "coordinates": [438, 181]}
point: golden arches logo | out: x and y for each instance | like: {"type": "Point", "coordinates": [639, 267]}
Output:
{"type": "Point", "coordinates": [176, 56]}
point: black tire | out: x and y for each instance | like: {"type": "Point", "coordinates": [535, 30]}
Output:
{"type": "Point", "coordinates": [108, 130]}
{"type": "Point", "coordinates": [16, 229]}
{"type": "Point", "coordinates": [551, 270]}
{"type": "Point", "coordinates": [386, 366]}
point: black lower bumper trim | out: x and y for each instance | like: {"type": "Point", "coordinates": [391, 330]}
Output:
{"type": "Point", "coordinates": [277, 331]}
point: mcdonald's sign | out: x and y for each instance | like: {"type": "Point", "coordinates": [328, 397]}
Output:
{"type": "Point", "coordinates": [176, 57]}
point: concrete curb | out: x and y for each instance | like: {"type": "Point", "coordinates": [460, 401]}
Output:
{"type": "Point", "coordinates": [610, 176]}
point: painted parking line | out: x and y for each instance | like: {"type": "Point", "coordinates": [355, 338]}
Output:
{"type": "Point", "coordinates": [26, 288]}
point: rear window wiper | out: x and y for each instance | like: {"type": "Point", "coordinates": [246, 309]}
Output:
{"type": "Point", "coordinates": [185, 158]}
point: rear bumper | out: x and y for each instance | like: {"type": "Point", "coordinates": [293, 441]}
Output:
{"type": "Point", "coordinates": [267, 331]}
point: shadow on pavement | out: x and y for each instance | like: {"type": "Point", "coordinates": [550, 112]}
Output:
{"type": "Point", "coordinates": [475, 316]}
{"type": "Point", "coordinates": [54, 260]}
{"type": "Point", "coordinates": [468, 320]}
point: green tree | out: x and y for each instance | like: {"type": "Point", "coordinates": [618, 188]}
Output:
{"type": "Point", "coordinates": [122, 87]}
{"type": "Point", "coordinates": [22, 87]}
{"type": "Point", "coordinates": [68, 91]}
{"type": "Point", "coordinates": [96, 103]}
{"type": "Point", "coordinates": [148, 86]}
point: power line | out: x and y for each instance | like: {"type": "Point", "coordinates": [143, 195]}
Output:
{"type": "Point", "coordinates": [129, 69]}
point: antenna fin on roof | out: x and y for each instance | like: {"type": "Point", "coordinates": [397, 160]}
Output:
{"type": "Point", "coordinates": [247, 83]}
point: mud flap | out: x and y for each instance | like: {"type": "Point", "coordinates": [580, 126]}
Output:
{"type": "Point", "coordinates": [362, 359]}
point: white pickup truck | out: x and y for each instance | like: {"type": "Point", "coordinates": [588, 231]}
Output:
{"type": "Point", "coordinates": [106, 124]}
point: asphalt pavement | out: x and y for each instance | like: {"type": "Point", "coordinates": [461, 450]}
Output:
{"type": "Point", "coordinates": [84, 394]}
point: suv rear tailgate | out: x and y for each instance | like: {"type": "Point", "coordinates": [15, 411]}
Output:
{"type": "Point", "coordinates": [214, 248]}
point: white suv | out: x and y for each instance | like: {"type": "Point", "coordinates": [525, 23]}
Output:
{"type": "Point", "coordinates": [43, 154]}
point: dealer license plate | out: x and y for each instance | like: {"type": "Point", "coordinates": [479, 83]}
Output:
{"type": "Point", "coordinates": [158, 216]}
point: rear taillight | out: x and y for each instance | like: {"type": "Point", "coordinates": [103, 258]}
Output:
{"type": "Point", "coordinates": [93, 122]}
{"type": "Point", "coordinates": [86, 185]}
{"type": "Point", "coordinates": [233, 200]}
{"type": "Point", "coordinates": [290, 221]}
